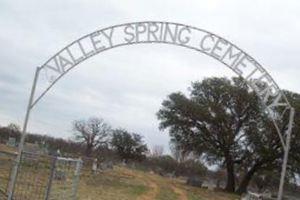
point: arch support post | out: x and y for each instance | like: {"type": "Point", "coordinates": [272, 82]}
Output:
{"type": "Point", "coordinates": [286, 154]}
{"type": "Point", "coordinates": [16, 166]}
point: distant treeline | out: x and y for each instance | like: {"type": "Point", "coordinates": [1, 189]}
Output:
{"type": "Point", "coordinates": [164, 165]}
{"type": "Point", "coordinates": [51, 143]}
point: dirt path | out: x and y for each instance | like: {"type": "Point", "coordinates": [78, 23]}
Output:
{"type": "Point", "coordinates": [154, 183]}
{"type": "Point", "coordinates": [149, 181]}
{"type": "Point", "coordinates": [181, 193]}
{"type": "Point", "coordinates": [153, 192]}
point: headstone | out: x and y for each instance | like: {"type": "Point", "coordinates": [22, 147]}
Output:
{"type": "Point", "coordinates": [170, 175]}
{"type": "Point", "coordinates": [194, 181]}
{"type": "Point", "coordinates": [12, 142]}
{"type": "Point", "coordinates": [95, 166]}
{"type": "Point", "coordinates": [106, 165]}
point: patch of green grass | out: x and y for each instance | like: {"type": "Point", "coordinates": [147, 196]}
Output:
{"type": "Point", "coordinates": [166, 193]}
{"type": "Point", "coordinates": [193, 196]}
{"type": "Point", "coordinates": [111, 186]}
{"type": "Point", "coordinates": [138, 190]}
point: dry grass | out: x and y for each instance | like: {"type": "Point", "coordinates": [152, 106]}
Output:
{"type": "Point", "coordinates": [6, 161]}
{"type": "Point", "coordinates": [8, 149]}
{"type": "Point", "coordinates": [125, 184]}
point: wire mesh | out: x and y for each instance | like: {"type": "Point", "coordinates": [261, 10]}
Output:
{"type": "Point", "coordinates": [65, 179]}
{"type": "Point", "coordinates": [33, 177]}
{"type": "Point", "coordinates": [40, 177]}
{"type": "Point", "coordinates": [6, 164]}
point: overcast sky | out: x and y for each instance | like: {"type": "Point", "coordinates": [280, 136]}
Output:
{"type": "Point", "coordinates": [126, 85]}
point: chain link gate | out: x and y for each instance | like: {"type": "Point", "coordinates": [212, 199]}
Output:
{"type": "Point", "coordinates": [43, 177]}
{"type": "Point", "coordinates": [64, 179]}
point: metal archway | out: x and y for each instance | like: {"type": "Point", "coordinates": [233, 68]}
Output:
{"type": "Point", "coordinates": [166, 33]}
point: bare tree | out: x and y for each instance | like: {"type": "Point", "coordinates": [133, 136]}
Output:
{"type": "Point", "coordinates": [93, 132]}
{"type": "Point", "coordinates": [14, 127]}
{"type": "Point", "coordinates": [157, 150]}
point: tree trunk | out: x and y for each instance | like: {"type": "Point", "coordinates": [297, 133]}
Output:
{"type": "Point", "coordinates": [230, 185]}
{"type": "Point", "coordinates": [246, 179]}
{"type": "Point", "coordinates": [89, 150]}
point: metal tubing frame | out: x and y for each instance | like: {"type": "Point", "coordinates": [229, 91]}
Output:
{"type": "Point", "coordinates": [32, 103]}
{"type": "Point", "coordinates": [13, 177]}
{"type": "Point", "coordinates": [286, 154]}
{"type": "Point", "coordinates": [50, 180]}
{"type": "Point", "coordinates": [76, 178]}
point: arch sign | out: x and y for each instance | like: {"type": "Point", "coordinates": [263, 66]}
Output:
{"type": "Point", "coordinates": [177, 34]}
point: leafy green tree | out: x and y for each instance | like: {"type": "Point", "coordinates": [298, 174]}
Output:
{"type": "Point", "coordinates": [263, 148]}
{"type": "Point", "coordinates": [129, 146]}
{"type": "Point", "coordinates": [223, 121]}
{"type": "Point", "coordinates": [294, 164]}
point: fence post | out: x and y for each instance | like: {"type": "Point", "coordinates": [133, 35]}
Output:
{"type": "Point", "coordinates": [286, 154]}
{"type": "Point", "coordinates": [76, 179]}
{"type": "Point", "coordinates": [52, 173]}
{"type": "Point", "coordinates": [15, 169]}
{"type": "Point", "coordinates": [13, 161]}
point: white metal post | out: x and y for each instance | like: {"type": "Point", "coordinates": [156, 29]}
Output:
{"type": "Point", "coordinates": [79, 163]}
{"type": "Point", "coordinates": [286, 154]}
{"type": "Point", "coordinates": [14, 173]}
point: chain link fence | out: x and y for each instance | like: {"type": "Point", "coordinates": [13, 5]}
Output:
{"type": "Point", "coordinates": [6, 164]}
{"type": "Point", "coordinates": [40, 177]}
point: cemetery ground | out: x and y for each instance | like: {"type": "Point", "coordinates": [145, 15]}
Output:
{"type": "Point", "coordinates": [122, 183]}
